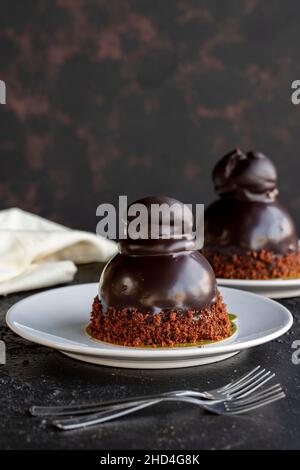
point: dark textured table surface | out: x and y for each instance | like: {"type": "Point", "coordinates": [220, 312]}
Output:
{"type": "Point", "coordinates": [36, 375]}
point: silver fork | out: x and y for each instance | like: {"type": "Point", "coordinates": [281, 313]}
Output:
{"type": "Point", "coordinates": [243, 386]}
{"type": "Point", "coordinates": [228, 407]}
{"type": "Point", "coordinates": [246, 384]}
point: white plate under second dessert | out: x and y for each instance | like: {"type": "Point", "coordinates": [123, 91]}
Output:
{"type": "Point", "coordinates": [272, 288]}
{"type": "Point", "coordinates": [57, 318]}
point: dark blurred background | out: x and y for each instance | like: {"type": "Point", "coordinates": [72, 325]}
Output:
{"type": "Point", "coordinates": [142, 97]}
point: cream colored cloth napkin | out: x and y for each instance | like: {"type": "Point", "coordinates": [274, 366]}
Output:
{"type": "Point", "coordinates": [35, 252]}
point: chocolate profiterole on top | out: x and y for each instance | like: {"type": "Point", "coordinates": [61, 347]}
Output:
{"type": "Point", "coordinates": [248, 233]}
{"type": "Point", "coordinates": [159, 291]}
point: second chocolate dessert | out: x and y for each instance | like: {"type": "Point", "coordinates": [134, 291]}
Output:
{"type": "Point", "coordinates": [159, 292]}
{"type": "Point", "coordinates": [248, 233]}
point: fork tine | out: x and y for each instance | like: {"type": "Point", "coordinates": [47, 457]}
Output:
{"type": "Point", "coordinates": [238, 381]}
{"type": "Point", "coordinates": [260, 403]}
{"type": "Point", "coordinates": [245, 382]}
{"type": "Point", "coordinates": [250, 388]}
{"type": "Point", "coordinates": [254, 398]}
{"type": "Point", "coordinates": [273, 388]}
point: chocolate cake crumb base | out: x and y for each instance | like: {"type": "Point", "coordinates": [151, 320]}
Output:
{"type": "Point", "coordinates": [259, 265]}
{"type": "Point", "coordinates": [130, 327]}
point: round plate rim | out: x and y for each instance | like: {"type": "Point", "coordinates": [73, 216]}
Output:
{"type": "Point", "coordinates": [148, 353]}
{"type": "Point", "coordinates": [285, 283]}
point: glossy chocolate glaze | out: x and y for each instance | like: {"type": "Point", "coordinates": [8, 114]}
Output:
{"type": "Point", "coordinates": [174, 236]}
{"type": "Point", "coordinates": [155, 275]}
{"type": "Point", "coordinates": [250, 176]}
{"type": "Point", "coordinates": [247, 216]}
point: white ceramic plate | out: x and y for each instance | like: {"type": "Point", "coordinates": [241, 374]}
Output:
{"type": "Point", "coordinates": [57, 318]}
{"type": "Point", "coordinates": [128, 363]}
{"type": "Point", "coordinates": [272, 288]}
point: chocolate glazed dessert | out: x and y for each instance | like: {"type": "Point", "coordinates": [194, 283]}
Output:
{"type": "Point", "coordinates": [159, 292]}
{"type": "Point", "coordinates": [248, 233]}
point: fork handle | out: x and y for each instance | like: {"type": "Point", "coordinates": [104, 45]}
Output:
{"type": "Point", "coordinates": [69, 424]}
{"type": "Point", "coordinates": [108, 415]}
{"type": "Point", "coordinates": [70, 410]}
